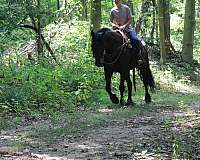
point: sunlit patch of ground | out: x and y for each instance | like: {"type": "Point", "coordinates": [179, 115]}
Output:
{"type": "Point", "coordinates": [192, 122]}
{"type": "Point", "coordinates": [105, 110]}
{"type": "Point", "coordinates": [178, 77]}
{"type": "Point", "coordinates": [164, 133]}
{"type": "Point", "coordinates": [183, 88]}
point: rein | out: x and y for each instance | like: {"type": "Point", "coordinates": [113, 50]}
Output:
{"type": "Point", "coordinates": [125, 42]}
{"type": "Point", "coordinates": [115, 60]}
{"type": "Point", "coordinates": [124, 36]}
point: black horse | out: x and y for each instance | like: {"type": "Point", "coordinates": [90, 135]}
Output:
{"type": "Point", "coordinates": [111, 51]}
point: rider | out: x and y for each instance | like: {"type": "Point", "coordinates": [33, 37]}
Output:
{"type": "Point", "coordinates": [120, 18]}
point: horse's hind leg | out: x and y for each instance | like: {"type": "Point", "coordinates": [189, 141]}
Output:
{"type": "Point", "coordinates": [147, 95]}
{"type": "Point", "coordinates": [113, 97]}
{"type": "Point", "coordinates": [145, 82]}
{"type": "Point", "coordinates": [122, 88]}
{"type": "Point", "coordinates": [129, 84]}
{"type": "Point", "coordinates": [126, 77]}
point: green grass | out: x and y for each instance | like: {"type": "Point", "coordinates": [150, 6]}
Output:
{"type": "Point", "coordinates": [78, 122]}
{"type": "Point", "coordinates": [59, 124]}
{"type": "Point", "coordinates": [80, 85]}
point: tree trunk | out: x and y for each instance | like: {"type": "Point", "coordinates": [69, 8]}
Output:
{"type": "Point", "coordinates": [188, 36]}
{"type": "Point", "coordinates": [84, 9]}
{"type": "Point", "coordinates": [157, 23]}
{"type": "Point", "coordinates": [153, 22]}
{"type": "Point", "coordinates": [198, 9]}
{"type": "Point", "coordinates": [167, 25]}
{"type": "Point", "coordinates": [143, 20]}
{"type": "Point", "coordinates": [39, 39]}
{"type": "Point", "coordinates": [162, 31]}
{"type": "Point", "coordinates": [130, 4]}
{"type": "Point", "coordinates": [65, 6]}
{"type": "Point", "coordinates": [39, 33]}
{"type": "Point", "coordinates": [42, 38]}
{"type": "Point", "coordinates": [95, 15]}
{"type": "Point", "coordinates": [58, 4]}
{"type": "Point", "coordinates": [140, 19]}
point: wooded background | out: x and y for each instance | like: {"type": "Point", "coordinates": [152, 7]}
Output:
{"type": "Point", "coordinates": [45, 46]}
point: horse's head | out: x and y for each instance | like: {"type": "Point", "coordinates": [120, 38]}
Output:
{"type": "Point", "coordinates": [98, 46]}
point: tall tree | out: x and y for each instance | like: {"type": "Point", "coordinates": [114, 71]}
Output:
{"type": "Point", "coordinates": [143, 22]}
{"type": "Point", "coordinates": [37, 23]}
{"type": "Point", "coordinates": [188, 36]}
{"type": "Point", "coordinates": [130, 4]}
{"type": "Point", "coordinates": [154, 24]}
{"type": "Point", "coordinates": [162, 30]}
{"type": "Point", "coordinates": [141, 17]}
{"type": "Point", "coordinates": [167, 25]}
{"type": "Point", "coordinates": [95, 14]}
{"type": "Point", "coordinates": [29, 14]}
{"type": "Point", "coordinates": [58, 4]}
{"type": "Point", "coordinates": [198, 9]}
{"type": "Point", "coordinates": [65, 5]}
{"type": "Point", "coordinates": [84, 9]}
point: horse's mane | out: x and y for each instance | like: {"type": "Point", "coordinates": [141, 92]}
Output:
{"type": "Point", "coordinates": [101, 32]}
{"type": "Point", "coordinates": [113, 35]}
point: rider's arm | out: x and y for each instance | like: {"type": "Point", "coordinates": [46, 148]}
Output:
{"type": "Point", "coordinates": [128, 17]}
{"type": "Point", "coordinates": [113, 22]}
{"type": "Point", "coordinates": [114, 25]}
{"type": "Point", "coordinates": [127, 23]}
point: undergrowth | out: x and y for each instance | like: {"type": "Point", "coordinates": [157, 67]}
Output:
{"type": "Point", "coordinates": [73, 82]}
{"type": "Point", "coordinates": [46, 86]}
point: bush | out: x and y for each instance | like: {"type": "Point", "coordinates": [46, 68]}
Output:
{"type": "Point", "coordinates": [46, 86]}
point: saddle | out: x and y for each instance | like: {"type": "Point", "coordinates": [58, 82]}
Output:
{"type": "Point", "coordinates": [126, 39]}
{"type": "Point", "coordinates": [127, 42]}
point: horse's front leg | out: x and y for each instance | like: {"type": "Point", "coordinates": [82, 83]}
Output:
{"type": "Point", "coordinates": [108, 76]}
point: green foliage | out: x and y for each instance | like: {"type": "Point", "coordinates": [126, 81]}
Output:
{"type": "Point", "coordinates": [35, 88]}
{"type": "Point", "coordinates": [74, 81]}
{"type": "Point", "coordinates": [44, 86]}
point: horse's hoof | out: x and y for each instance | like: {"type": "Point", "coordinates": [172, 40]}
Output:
{"type": "Point", "coordinates": [148, 100]}
{"type": "Point", "coordinates": [129, 102]}
{"type": "Point", "coordinates": [114, 99]}
{"type": "Point", "coordinates": [140, 62]}
{"type": "Point", "coordinates": [122, 102]}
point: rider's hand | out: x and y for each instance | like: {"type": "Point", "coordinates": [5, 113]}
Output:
{"type": "Point", "coordinates": [115, 26]}
{"type": "Point", "coordinates": [122, 27]}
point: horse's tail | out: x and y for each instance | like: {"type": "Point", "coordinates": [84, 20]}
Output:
{"type": "Point", "coordinates": [145, 71]}
{"type": "Point", "coordinates": [147, 77]}
{"type": "Point", "coordinates": [134, 82]}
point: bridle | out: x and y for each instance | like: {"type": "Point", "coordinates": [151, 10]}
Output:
{"type": "Point", "coordinates": [115, 60]}
{"type": "Point", "coordinates": [120, 48]}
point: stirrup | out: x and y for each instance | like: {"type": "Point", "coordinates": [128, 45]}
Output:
{"type": "Point", "coordinates": [140, 58]}
{"type": "Point", "coordinates": [129, 43]}
{"type": "Point", "coordinates": [140, 62]}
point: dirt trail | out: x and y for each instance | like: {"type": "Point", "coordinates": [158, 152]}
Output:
{"type": "Point", "coordinates": [154, 135]}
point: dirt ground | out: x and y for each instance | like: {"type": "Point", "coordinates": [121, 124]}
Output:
{"type": "Point", "coordinates": [154, 135]}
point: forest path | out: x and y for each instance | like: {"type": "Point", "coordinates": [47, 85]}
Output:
{"type": "Point", "coordinates": [161, 133]}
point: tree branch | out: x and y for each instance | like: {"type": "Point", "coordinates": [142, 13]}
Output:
{"type": "Point", "coordinates": [43, 39]}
